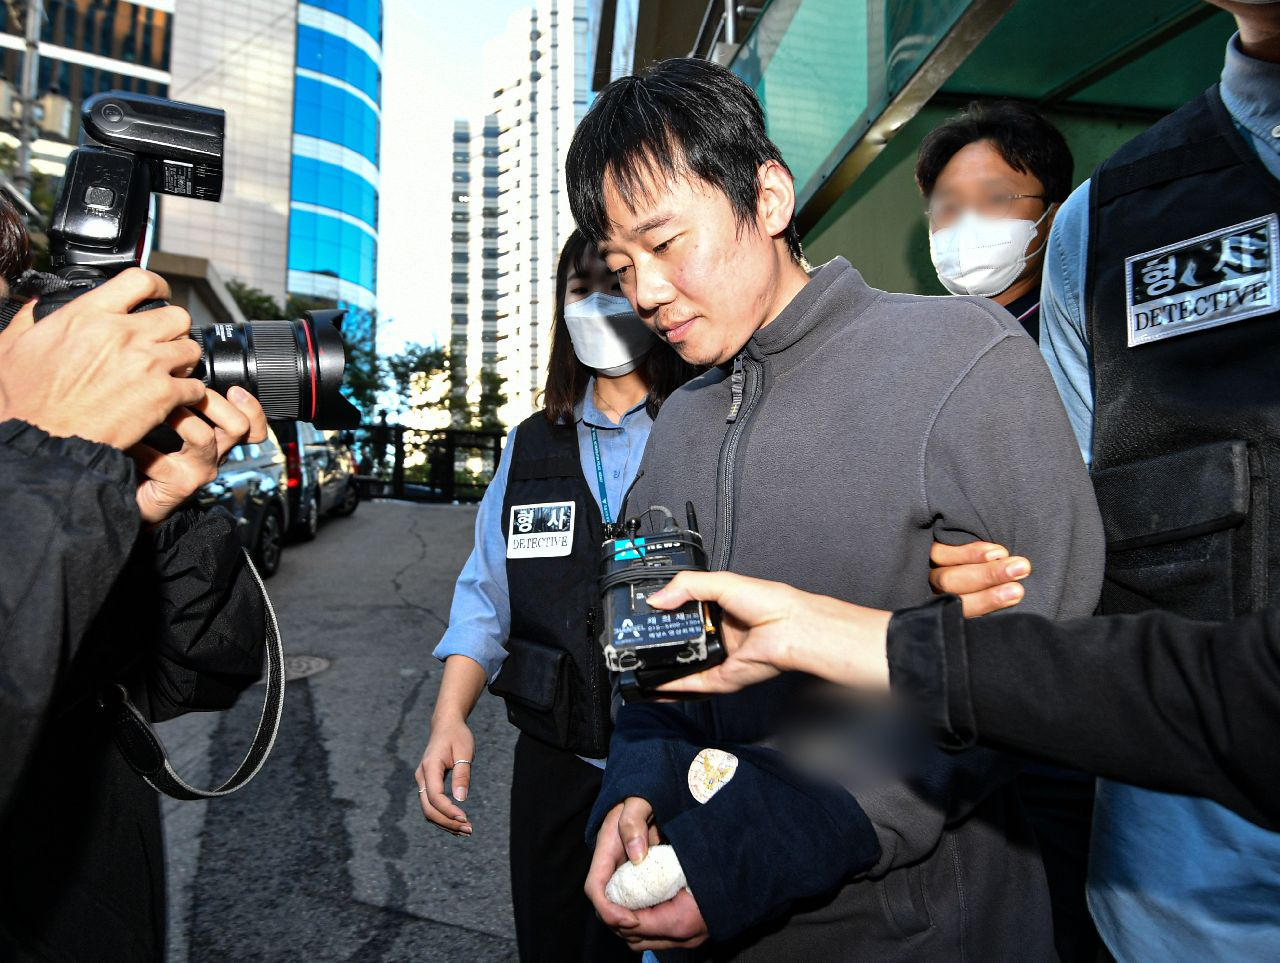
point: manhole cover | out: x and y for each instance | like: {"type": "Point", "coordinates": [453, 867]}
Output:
{"type": "Point", "coordinates": [302, 666]}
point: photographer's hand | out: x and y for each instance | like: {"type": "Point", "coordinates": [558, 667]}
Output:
{"type": "Point", "coordinates": [769, 628]}
{"type": "Point", "coordinates": [165, 481]}
{"type": "Point", "coordinates": [93, 370]}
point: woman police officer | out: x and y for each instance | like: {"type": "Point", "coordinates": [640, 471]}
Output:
{"type": "Point", "coordinates": [522, 606]}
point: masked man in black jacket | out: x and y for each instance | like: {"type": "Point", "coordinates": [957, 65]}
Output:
{"type": "Point", "coordinates": [105, 579]}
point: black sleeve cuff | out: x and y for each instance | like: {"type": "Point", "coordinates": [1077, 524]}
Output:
{"type": "Point", "coordinates": [928, 666]}
{"type": "Point", "coordinates": [23, 438]}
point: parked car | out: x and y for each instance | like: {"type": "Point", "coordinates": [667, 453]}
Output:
{"type": "Point", "coordinates": [252, 485]}
{"type": "Point", "coordinates": [320, 470]}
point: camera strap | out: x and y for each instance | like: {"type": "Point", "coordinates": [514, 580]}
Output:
{"type": "Point", "coordinates": [30, 284]}
{"type": "Point", "coordinates": [145, 754]}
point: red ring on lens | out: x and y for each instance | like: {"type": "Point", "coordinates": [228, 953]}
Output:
{"type": "Point", "coordinates": [311, 355]}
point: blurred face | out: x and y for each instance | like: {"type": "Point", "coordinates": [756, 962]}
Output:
{"type": "Point", "coordinates": [703, 285]}
{"type": "Point", "coordinates": [593, 277]}
{"type": "Point", "coordinates": [977, 178]}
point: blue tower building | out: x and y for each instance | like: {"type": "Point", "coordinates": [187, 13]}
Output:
{"type": "Point", "coordinates": [337, 119]}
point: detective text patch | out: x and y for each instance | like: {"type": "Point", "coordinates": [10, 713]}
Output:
{"type": "Point", "coordinates": [544, 530]}
{"type": "Point", "coordinates": [1217, 278]}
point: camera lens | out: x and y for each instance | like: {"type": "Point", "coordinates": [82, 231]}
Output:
{"type": "Point", "coordinates": [294, 368]}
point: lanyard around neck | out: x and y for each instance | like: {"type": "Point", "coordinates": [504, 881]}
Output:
{"type": "Point", "coordinates": [604, 497]}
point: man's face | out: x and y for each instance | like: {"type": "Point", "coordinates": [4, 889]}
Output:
{"type": "Point", "coordinates": [699, 282]}
{"type": "Point", "coordinates": [978, 179]}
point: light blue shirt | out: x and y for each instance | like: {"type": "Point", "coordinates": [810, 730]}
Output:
{"type": "Point", "coordinates": [480, 617]}
{"type": "Point", "coordinates": [1170, 877]}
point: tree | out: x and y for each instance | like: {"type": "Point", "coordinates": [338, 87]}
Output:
{"type": "Point", "coordinates": [363, 380]}
{"type": "Point", "coordinates": [300, 304]}
{"type": "Point", "coordinates": [254, 303]}
{"type": "Point", "coordinates": [44, 195]}
{"type": "Point", "coordinates": [414, 362]}
{"type": "Point", "coordinates": [492, 397]}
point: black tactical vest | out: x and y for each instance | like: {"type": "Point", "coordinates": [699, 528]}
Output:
{"type": "Point", "coordinates": [1185, 338]}
{"type": "Point", "coordinates": [554, 679]}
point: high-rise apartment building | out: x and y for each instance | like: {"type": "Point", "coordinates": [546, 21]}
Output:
{"type": "Point", "coordinates": [539, 73]}
{"type": "Point", "coordinates": [460, 264]}
{"type": "Point", "coordinates": [474, 270]}
{"type": "Point", "coordinates": [486, 243]}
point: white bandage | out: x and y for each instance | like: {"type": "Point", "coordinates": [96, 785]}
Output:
{"type": "Point", "coordinates": [656, 879]}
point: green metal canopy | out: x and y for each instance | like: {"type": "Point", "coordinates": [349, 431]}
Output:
{"type": "Point", "coordinates": [1142, 55]}
{"type": "Point", "coordinates": [839, 77]}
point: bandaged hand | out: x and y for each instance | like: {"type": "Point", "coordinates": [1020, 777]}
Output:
{"type": "Point", "coordinates": [628, 832]}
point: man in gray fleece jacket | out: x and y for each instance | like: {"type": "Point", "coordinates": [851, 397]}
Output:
{"type": "Point", "coordinates": [840, 430]}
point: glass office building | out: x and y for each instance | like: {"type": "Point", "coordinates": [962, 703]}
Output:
{"type": "Point", "coordinates": [337, 118]}
{"type": "Point", "coordinates": [89, 47]}
{"type": "Point", "coordinates": [85, 47]}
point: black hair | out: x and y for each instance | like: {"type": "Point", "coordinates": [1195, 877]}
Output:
{"type": "Point", "coordinates": [662, 369]}
{"type": "Point", "coordinates": [1027, 142]}
{"type": "Point", "coordinates": [15, 243]}
{"type": "Point", "coordinates": [681, 117]}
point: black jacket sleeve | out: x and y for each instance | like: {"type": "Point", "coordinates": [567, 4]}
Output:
{"type": "Point", "coordinates": [196, 610]}
{"type": "Point", "coordinates": [1155, 700]}
{"type": "Point", "coordinates": [70, 519]}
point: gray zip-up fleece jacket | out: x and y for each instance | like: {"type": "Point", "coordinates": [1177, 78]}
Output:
{"type": "Point", "coordinates": [868, 424]}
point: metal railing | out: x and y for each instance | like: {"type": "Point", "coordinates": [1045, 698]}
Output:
{"type": "Point", "coordinates": [725, 26]}
{"type": "Point", "coordinates": [445, 465]}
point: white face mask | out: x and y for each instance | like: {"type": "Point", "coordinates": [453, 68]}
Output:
{"type": "Point", "coordinates": [607, 335]}
{"type": "Point", "coordinates": [983, 255]}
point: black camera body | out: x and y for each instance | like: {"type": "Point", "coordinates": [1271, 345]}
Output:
{"type": "Point", "coordinates": [133, 146]}
{"type": "Point", "coordinates": [643, 646]}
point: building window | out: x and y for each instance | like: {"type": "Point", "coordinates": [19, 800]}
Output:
{"type": "Point", "coordinates": [322, 244]}
{"type": "Point", "coordinates": [366, 14]}
{"type": "Point", "coordinates": [330, 113]}
{"type": "Point", "coordinates": [335, 57]}
{"type": "Point", "coordinates": [328, 185]}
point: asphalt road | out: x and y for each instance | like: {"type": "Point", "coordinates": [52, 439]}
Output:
{"type": "Point", "coordinates": [326, 855]}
